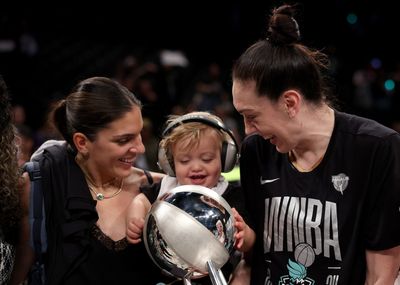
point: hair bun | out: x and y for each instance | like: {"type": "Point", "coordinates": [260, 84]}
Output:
{"type": "Point", "coordinates": [283, 28]}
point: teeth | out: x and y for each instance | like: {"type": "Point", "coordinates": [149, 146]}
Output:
{"type": "Point", "coordinates": [126, 160]}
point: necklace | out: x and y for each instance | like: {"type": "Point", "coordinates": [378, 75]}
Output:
{"type": "Point", "coordinates": [292, 159]}
{"type": "Point", "coordinates": [92, 186]}
{"type": "Point", "coordinates": [101, 196]}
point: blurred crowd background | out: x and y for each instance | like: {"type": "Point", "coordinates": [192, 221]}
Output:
{"type": "Point", "coordinates": [177, 57]}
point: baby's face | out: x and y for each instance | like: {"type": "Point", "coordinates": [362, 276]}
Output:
{"type": "Point", "coordinates": [200, 164]}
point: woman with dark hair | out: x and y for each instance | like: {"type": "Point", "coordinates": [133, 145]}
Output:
{"type": "Point", "coordinates": [10, 209]}
{"type": "Point", "coordinates": [12, 242]}
{"type": "Point", "coordinates": [321, 186]}
{"type": "Point", "coordinates": [88, 183]}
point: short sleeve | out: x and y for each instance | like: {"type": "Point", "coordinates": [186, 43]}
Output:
{"type": "Point", "coordinates": [382, 225]}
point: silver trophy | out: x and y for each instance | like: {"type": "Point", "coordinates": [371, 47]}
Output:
{"type": "Point", "coordinates": [189, 233]}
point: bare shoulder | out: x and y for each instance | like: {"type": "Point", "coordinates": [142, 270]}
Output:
{"type": "Point", "coordinates": [141, 177]}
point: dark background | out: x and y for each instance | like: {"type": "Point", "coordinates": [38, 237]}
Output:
{"type": "Point", "coordinates": [77, 40]}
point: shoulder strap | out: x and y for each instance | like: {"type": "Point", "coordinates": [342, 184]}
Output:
{"type": "Point", "coordinates": [37, 221]}
{"type": "Point", "coordinates": [148, 176]}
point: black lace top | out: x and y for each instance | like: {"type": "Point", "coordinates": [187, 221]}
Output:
{"type": "Point", "coordinates": [108, 242]}
{"type": "Point", "coordinates": [7, 255]}
{"type": "Point", "coordinates": [114, 262]}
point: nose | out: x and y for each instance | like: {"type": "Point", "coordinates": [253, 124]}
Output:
{"type": "Point", "coordinates": [249, 128]}
{"type": "Point", "coordinates": [196, 165]}
{"type": "Point", "coordinates": [138, 146]}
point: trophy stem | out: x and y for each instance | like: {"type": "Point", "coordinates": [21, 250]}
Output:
{"type": "Point", "coordinates": [216, 276]}
{"type": "Point", "coordinates": [186, 278]}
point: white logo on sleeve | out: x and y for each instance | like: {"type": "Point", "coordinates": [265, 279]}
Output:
{"type": "Point", "coordinates": [265, 181]}
{"type": "Point", "coordinates": [340, 182]}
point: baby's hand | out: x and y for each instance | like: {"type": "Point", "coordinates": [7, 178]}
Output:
{"type": "Point", "coordinates": [134, 230]}
{"type": "Point", "coordinates": [245, 236]}
{"type": "Point", "coordinates": [240, 229]}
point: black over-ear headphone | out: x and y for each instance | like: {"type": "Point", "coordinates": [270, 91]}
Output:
{"type": "Point", "coordinates": [229, 151]}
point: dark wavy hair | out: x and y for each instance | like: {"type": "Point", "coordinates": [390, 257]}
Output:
{"type": "Point", "coordinates": [10, 208]}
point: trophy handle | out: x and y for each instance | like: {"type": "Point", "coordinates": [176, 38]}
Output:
{"type": "Point", "coordinates": [216, 276]}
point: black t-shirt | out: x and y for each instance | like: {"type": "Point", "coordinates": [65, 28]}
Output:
{"type": "Point", "coordinates": [316, 226]}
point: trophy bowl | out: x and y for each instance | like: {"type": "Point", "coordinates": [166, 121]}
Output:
{"type": "Point", "coordinates": [187, 228]}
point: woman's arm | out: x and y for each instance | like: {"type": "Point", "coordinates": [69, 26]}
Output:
{"type": "Point", "coordinates": [382, 266]}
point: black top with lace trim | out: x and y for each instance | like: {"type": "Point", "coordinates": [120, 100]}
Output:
{"type": "Point", "coordinates": [77, 252]}
{"type": "Point", "coordinates": [107, 241]}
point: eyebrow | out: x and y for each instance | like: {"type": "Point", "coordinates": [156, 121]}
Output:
{"type": "Point", "coordinates": [241, 111]}
{"type": "Point", "coordinates": [124, 135]}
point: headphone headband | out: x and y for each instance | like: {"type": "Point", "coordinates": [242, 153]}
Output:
{"type": "Point", "coordinates": [189, 118]}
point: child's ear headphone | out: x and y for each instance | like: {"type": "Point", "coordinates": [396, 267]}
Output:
{"type": "Point", "coordinates": [229, 151]}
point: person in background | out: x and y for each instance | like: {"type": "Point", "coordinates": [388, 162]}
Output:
{"type": "Point", "coordinates": [148, 160]}
{"type": "Point", "coordinates": [12, 242]}
{"type": "Point", "coordinates": [88, 182]}
{"type": "Point", "coordinates": [322, 187]}
{"type": "Point", "coordinates": [25, 143]}
{"type": "Point", "coordinates": [195, 149]}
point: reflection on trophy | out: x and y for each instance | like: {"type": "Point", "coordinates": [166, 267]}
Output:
{"type": "Point", "coordinates": [189, 233]}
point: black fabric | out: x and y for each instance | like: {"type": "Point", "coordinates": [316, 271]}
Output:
{"type": "Point", "coordinates": [37, 223]}
{"type": "Point", "coordinates": [151, 191]}
{"type": "Point", "coordinates": [116, 265]}
{"type": "Point", "coordinates": [74, 255]}
{"type": "Point", "coordinates": [148, 176]}
{"type": "Point", "coordinates": [316, 226]}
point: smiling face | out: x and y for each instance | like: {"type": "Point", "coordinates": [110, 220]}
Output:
{"type": "Point", "coordinates": [115, 148]}
{"type": "Point", "coordinates": [200, 163]}
{"type": "Point", "coordinates": [267, 118]}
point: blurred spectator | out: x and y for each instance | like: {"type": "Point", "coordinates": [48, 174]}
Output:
{"type": "Point", "coordinates": [25, 142]}
{"type": "Point", "coordinates": [148, 160]}
{"type": "Point", "coordinates": [209, 90]}
{"type": "Point", "coordinates": [47, 130]}
{"type": "Point", "coordinates": [19, 114]}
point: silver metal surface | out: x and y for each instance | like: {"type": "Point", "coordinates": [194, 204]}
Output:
{"type": "Point", "coordinates": [188, 227]}
{"type": "Point", "coordinates": [217, 278]}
